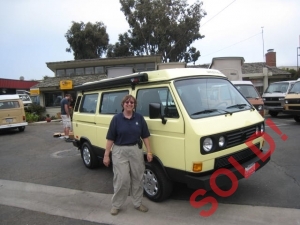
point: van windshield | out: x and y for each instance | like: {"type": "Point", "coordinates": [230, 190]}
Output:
{"type": "Point", "coordinates": [248, 91]}
{"type": "Point", "coordinates": [205, 97]}
{"type": "Point", "coordinates": [295, 88]}
{"type": "Point", "coordinates": [277, 87]}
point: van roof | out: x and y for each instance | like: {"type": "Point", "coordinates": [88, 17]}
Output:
{"type": "Point", "coordinates": [9, 97]}
{"type": "Point", "coordinates": [242, 82]}
{"type": "Point", "coordinates": [285, 81]}
{"type": "Point", "coordinates": [148, 76]}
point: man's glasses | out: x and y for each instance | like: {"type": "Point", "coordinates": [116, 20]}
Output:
{"type": "Point", "coordinates": [131, 102]}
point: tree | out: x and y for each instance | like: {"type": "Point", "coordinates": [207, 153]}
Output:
{"type": "Point", "coordinates": [166, 27]}
{"type": "Point", "coordinates": [294, 73]}
{"type": "Point", "coordinates": [121, 48]}
{"type": "Point", "coordinates": [87, 41]}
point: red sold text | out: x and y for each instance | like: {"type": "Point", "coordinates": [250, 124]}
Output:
{"type": "Point", "coordinates": [245, 172]}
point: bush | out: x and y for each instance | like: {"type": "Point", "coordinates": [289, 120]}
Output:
{"type": "Point", "coordinates": [31, 117]}
{"type": "Point", "coordinates": [36, 108]}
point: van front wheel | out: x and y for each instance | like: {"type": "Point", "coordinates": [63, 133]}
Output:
{"type": "Point", "coordinates": [88, 156]}
{"type": "Point", "coordinates": [273, 113]}
{"type": "Point", "coordinates": [297, 119]}
{"type": "Point", "coordinates": [157, 187]}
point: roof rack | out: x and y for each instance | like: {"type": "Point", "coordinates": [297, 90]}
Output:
{"type": "Point", "coordinates": [132, 80]}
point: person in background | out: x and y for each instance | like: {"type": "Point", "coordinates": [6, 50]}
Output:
{"type": "Point", "coordinates": [124, 133]}
{"type": "Point", "coordinates": [65, 116]}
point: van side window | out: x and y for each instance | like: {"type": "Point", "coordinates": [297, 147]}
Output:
{"type": "Point", "coordinates": [111, 102]}
{"type": "Point", "coordinates": [156, 95]}
{"type": "Point", "coordinates": [76, 107]}
{"type": "Point", "coordinates": [89, 103]}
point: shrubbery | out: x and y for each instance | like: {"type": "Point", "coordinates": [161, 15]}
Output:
{"type": "Point", "coordinates": [35, 111]}
{"type": "Point", "coordinates": [31, 117]}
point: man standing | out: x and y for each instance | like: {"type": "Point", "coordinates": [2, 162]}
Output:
{"type": "Point", "coordinates": [65, 116]}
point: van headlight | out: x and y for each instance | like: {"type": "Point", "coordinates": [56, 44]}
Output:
{"type": "Point", "coordinates": [259, 108]}
{"type": "Point", "coordinates": [286, 101]}
{"type": "Point", "coordinates": [262, 128]}
{"type": "Point", "coordinates": [207, 144]}
{"type": "Point", "coordinates": [264, 99]}
{"type": "Point", "coordinates": [221, 141]}
{"type": "Point", "coordinates": [281, 99]}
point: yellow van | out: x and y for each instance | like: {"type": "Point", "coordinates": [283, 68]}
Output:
{"type": "Point", "coordinates": [193, 132]}
{"type": "Point", "coordinates": [12, 113]}
{"type": "Point", "coordinates": [292, 102]}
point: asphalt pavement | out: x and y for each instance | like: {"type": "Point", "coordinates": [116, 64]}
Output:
{"type": "Point", "coordinates": [95, 207]}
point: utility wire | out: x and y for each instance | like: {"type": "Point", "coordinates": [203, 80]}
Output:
{"type": "Point", "coordinates": [233, 44]}
{"type": "Point", "coordinates": [217, 14]}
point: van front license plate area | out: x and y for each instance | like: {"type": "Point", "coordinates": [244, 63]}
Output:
{"type": "Point", "coordinates": [10, 120]}
{"type": "Point", "coordinates": [249, 170]}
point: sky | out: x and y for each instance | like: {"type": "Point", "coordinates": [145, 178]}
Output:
{"type": "Point", "coordinates": [33, 31]}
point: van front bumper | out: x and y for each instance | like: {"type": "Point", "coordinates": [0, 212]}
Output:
{"type": "Point", "coordinates": [291, 112]}
{"type": "Point", "coordinates": [13, 125]}
{"type": "Point", "coordinates": [198, 182]}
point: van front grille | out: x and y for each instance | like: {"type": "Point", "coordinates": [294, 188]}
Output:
{"type": "Point", "coordinates": [239, 136]}
{"type": "Point", "coordinates": [241, 157]}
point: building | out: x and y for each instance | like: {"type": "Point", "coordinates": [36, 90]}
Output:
{"type": "Point", "coordinates": [68, 74]}
{"type": "Point", "coordinates": [10, 86]}
{"type": "Point", "coordinates": [261, 74]}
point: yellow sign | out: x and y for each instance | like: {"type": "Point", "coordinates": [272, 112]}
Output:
{"type": "Point", "coordinates": [34, 91]}
{"type": "Point", "coordinates": [66, 84]}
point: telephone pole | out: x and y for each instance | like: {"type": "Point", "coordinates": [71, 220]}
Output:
{"type": "Point", "coordinates": [262, 36]}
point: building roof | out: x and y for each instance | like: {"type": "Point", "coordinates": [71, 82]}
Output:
{"type": "Point", "coordinates": [17, 84]}
{"type": "Point", "coordinates": [248, 68]}
{"type": "Point", "coordinates": [103, 61]}
{"type": "Point", "coordinates": [77, 80]}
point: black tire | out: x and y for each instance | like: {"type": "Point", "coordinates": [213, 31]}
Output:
{"type": "Point", "coordinates": [88, 157]}
{"type": "Point", "coordinates": [21, 129]}
{"type": "Point", "coordinates": [297, 119]}
{"type": "Point", "coordinates": [273, 113]}
{"type": "Point", "coordinates": [157, 187]}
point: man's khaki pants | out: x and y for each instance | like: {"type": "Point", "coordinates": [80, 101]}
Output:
{"type": "Point", "coordinates": [128, 167]}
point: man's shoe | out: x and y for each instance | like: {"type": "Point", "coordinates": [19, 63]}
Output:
{"type": "Point", "coordinates": [69, 140]}
{"type": "Point", "coordinates": [114, 211]}
{"type": "Point", "coordinates": [142, 208]}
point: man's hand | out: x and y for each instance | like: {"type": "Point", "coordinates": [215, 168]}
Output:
{"type": "Point", "coordinates": [106, 161]}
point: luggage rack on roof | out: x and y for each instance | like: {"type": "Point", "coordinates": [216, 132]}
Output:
{"type": "Point", "coordinates": [132, 80]}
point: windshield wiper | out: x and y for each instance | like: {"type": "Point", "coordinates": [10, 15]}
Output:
{"type": "Point", "coordinates": [240, 106]}
{"type": "Point", "coordinates": [205, 111]}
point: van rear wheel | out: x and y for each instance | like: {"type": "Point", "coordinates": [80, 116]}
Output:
{"type": "Point", "coordinates": [88, 156]}
{"type": "Point", "coordinates": [157, 187]}
{"type": "Point", "coordinates": [21, 129]}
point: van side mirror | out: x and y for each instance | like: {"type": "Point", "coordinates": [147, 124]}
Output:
{"type": "Point", "coordinates": [155, 112]}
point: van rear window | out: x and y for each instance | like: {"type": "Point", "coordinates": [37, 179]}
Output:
{"type": "Point", "coordinates": [9, 105]}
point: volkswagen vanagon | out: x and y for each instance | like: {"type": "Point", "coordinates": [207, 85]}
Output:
{"type": "Point", "coordinates": [193, 131]}
{"type": "Point", "coordinates": [12, 113]}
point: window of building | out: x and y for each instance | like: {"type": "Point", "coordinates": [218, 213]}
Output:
{"type": "Point", "coordinates": [89, 70]}
{"type": "Point", "coordinates": [111, 102]}
{"type": "Point", "coordinates": [140, 67]}
{"type": "Point", "coordinates": [89, 103]}
{"type": "Point", "coordinates": [70, 72]}
{"type": "Point", "coordinates": [79, 71]}
{"type": "Point", "coordinates": [52, 99]}
{"type": "Point", "coordinates": [99, 70]}
{"type": "Point", "coordinates": [60, 73]}
{"type": "Point", "coordinates": [150, 66]}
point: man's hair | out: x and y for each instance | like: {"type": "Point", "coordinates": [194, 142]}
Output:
{"type": "Point", "coordinates": [67, 95]}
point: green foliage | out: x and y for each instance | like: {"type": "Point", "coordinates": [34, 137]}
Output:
{"type": "Point", "coordinates": [31, 117]}
{"type": "Point", "coordinates": [166, 27]}
{"type": "Point", "coordinates": [87, 41]}
{"type": "Point", "coordinates": [37, 110]}
{"type": "Point", "coordinates": [294, 73]}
